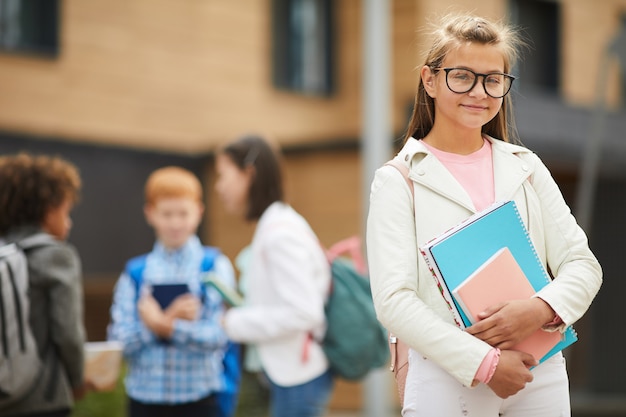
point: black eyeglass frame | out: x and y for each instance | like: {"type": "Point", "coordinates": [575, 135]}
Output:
{"type": "Point", "coordinates": [476, 75]}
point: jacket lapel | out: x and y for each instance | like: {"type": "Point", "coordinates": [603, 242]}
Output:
{"type": "Point", "coordinates": [427, 171]}
{"type": "Point", "coordinates": [510, 171]}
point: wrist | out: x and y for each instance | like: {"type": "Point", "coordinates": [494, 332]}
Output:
{"type": "Point", "coordinates": [164, 327]}
{"type": "Point", "coordinates": [547, 314]}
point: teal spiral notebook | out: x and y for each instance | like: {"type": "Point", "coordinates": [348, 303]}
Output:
{"type": "Point", "coordinates": [456, 254]}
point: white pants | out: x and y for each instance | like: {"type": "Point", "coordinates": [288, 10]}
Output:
{"type": "Point", "coordinates": [432, 392]}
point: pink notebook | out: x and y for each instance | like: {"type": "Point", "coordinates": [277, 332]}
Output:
{"type": "Point", "coordinates": [499, 279]}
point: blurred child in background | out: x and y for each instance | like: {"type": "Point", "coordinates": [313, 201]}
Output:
{"type": "Point", "coordinates": [174, 352]}
{"type": "Point", "coordinates": [287, 281]}
{"type": "Point", "coordinates": [37, 194]}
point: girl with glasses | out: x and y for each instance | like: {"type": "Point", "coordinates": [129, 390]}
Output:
{"type": "Point", "coordinates": [460, 159]}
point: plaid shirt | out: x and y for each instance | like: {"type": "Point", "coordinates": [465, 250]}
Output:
{"type": "Point", "coordinates": [189, 366]}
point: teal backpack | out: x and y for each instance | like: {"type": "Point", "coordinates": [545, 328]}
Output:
{"type": "Point", "coordinates": [354, 342]}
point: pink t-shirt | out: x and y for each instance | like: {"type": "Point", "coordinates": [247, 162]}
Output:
{"type": "Point", "coordinates": [474, 172]}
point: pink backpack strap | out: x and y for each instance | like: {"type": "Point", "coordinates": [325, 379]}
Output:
{"type": "Point", "coordinates": [349, 246]}
{"type": "Point", "coordinates": [399, 351]}
{"type": "Point", "coordinates": [399, 164]}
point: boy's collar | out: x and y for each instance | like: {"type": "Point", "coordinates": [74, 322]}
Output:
{"type": "Point", "coordinates": [192, 242]}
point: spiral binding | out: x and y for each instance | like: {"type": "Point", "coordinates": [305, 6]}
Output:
{"type": "Point", "coordinates": [530, 242]}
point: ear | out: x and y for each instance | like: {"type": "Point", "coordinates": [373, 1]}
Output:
{"type": "Point", "coordinates": [428, 80]}
{"type": "Point", "coordinates": [148, 211]}
{"type": "Point", "coordinates": [201, 208]}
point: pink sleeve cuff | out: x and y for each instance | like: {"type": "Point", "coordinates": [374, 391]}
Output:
{"type": "Point", "coordinates": [555, 321]}
{"type": "Point", "coordinates": [488, 366]}
{"type": "Point", "coordinates": [553, 325]}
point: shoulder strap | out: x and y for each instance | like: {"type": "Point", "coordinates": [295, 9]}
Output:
{"type": "Point", "coordinates": [36, 240]}
{"type": "Point", "coordinates": [403, 168]}
{"type": "Point", "coordinates": [210, 255]}
{"type": "Point", "coordinates": [134, 268]}
{"type": "Point", "coordinates": [352, 247]}
{"type": "Point", "coordinates": [398, 350]}
{"type": "Point", "coordinates": [400, 163]}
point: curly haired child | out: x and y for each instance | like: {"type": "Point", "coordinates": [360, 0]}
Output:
{"type": "Point", "coordinates": [37, 194]}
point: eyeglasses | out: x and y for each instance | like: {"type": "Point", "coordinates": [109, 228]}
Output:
{"type": "Point", "coordinates": [462, 80]}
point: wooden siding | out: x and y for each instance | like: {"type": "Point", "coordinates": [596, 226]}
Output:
{"type": "Point", "coordinates": [588, 27]}
{"type": "Point", "coordinates": [176, 76]}
{"type": "Point", "coordinates": [183, 76]}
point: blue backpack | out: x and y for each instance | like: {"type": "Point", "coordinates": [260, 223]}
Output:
{"type": "Point", "coordinates": [227, 399]}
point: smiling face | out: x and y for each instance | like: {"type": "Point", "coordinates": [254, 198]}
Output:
{"type": "Point", "coordinates": [466, 112]}
{"type": "Point", "coordinates": [174, 219]}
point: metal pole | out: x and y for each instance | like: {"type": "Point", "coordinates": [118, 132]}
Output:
{"type": "Point", "coordinates": [376, 110]}
{"type": "Point", "coordinates": [376, 150]}
{"type": "Point", "coordinates": [593, 149]}
{"type": "Point", "coordinates": [588, 172]}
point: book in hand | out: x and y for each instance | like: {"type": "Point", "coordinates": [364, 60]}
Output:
{"type": "Point", "coordinates": [166, 293]}
{"type": "Point", "coordinates": [103, 364]}
{"type": "Point", "coordinates": [456, 254]}
{"type": "Point", "coordinates": [228, 294]}
{"type": "Point", "coordinates": [501, 279]}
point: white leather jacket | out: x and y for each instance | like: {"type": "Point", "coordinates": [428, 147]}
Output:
{"type": "Point", "coordinates": [406, 298]}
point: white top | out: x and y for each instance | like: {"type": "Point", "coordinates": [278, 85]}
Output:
{"type": "Point", "coordinates": [288, 279]}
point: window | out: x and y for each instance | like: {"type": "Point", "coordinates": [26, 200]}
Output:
{"type": "Point", "coordinates": [540, 66]}
{"type": "Point", "coordinates": [30, 26]}
{"type": "Point", "coordinates": [302, 45]}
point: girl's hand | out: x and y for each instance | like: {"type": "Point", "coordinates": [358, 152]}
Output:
{"type": "Point", "coordinates": [506, 324]}
{"type": "Point", "coordinates": [512, 373]}
{"type": "Point", "coordinates": [184, 307]}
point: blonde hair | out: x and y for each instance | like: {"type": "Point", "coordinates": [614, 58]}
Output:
{"type": "Point", "coordinates": [172, 182]}
{"type": "Point", "coordinates": [452, 32]}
